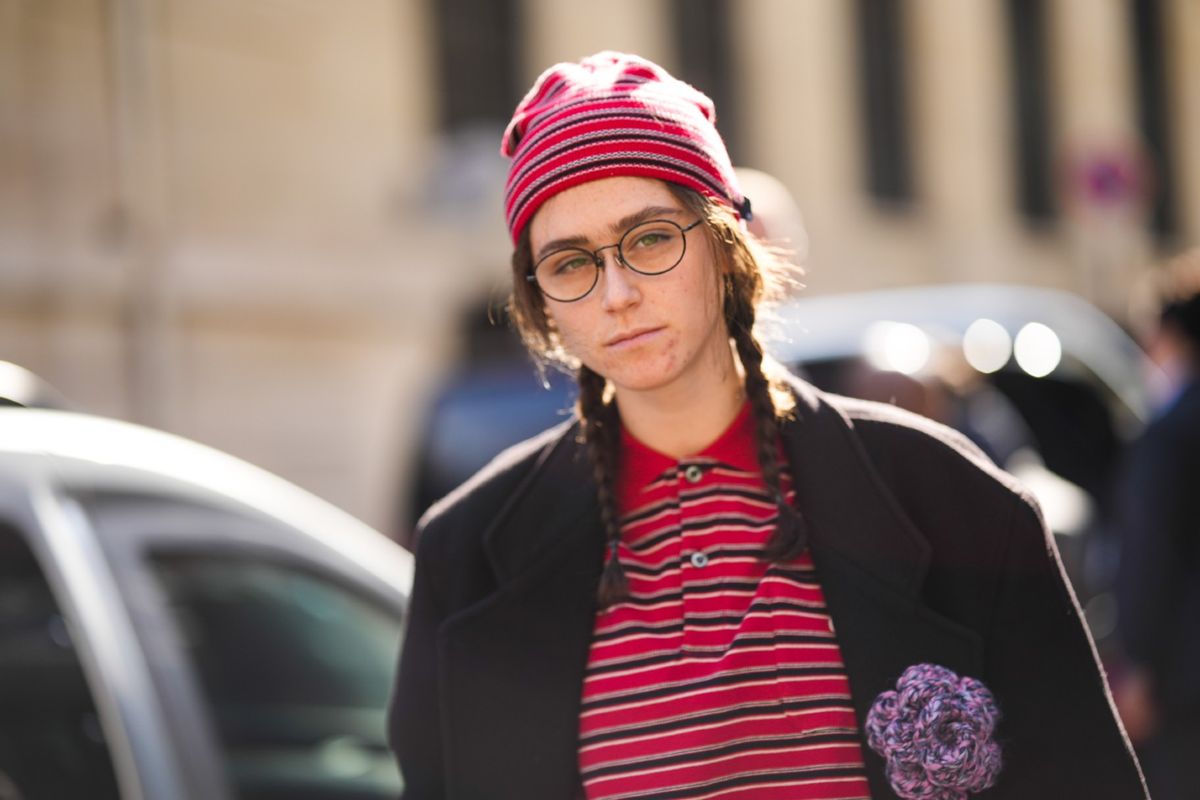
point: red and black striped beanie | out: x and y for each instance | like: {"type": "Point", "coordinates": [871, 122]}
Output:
{"type": "Point", "coordinates": [612, 114]}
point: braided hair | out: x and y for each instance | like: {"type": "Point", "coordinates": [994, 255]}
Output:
{"type": "Point", "coordinates": [601, 433]}
{"type": "Point", "coordinates": [752, 274]}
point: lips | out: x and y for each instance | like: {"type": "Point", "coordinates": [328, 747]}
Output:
{"type": "Point", "coordinates": [631, 337]}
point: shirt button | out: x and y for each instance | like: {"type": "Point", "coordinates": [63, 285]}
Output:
{"type": "Point", "coordinates": [699, 560]}
{"type": "Point", "coordinates": [693, 473]}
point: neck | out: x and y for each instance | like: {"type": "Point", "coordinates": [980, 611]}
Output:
{"type": "Point", "coordinates": [684, 418]}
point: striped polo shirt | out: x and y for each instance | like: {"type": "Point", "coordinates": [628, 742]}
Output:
{"type": "Point", "coordinates": [721, 676]}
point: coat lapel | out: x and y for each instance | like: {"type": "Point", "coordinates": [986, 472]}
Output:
{"type": "Point", "coordinates": [872, 563]}
{"type": "Point", "coordinates": [513, 664]}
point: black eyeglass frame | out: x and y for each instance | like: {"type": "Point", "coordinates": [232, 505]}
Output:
{"type": "Point", "coordinates": [599, 262]}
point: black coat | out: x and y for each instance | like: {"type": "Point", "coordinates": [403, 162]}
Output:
{"type": "Point", "coordinates": [926, 553]}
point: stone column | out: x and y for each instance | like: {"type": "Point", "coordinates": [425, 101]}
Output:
{"type": "Point", "coordinates": [961, 133]}
{"type": "Point", "coordinates": [559, 31]}
{"type": "Point", "coordinates": [1096, 123]}
{"type": "Point", "coordinates": [1182, 18]}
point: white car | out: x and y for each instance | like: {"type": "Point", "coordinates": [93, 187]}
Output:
{"type": "Point", "coordinates": [1048, 385]}
{"type": "Point", "coordinates": [175, 623]}
{"type": "Point", "coordinates": [1032, 330]}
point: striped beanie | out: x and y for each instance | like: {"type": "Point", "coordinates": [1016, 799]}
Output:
{"type": "Point", "coordinates": [612, 114]}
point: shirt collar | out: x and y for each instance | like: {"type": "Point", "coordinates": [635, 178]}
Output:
{"type": "Point", "coordinates": [641, 464]}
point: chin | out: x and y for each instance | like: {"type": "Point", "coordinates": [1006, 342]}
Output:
{"type": "Point", "coordinates": [639, 386]}
{"type": "Point", "coordinates": [644, 378]}
{"type": "Point", "coordinates": [640, 371]}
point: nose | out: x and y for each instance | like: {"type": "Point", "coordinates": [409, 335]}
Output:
{"type": "Point", "coordinates": [618, 289]}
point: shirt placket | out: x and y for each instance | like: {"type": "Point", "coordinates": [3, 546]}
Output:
{"type": "Point", "coordinates": [693, 559]}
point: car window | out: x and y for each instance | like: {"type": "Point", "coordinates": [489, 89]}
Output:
{"type": "Point", "coordinates": [297, 670]}
{"type": "Point", "coordinates": [51, 743]}
{"type": "Point", "coordinates": [1067, 418]}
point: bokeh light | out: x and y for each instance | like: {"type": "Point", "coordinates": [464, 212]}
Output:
{"type": "Point", "coordinates": [987, 345]}
{"type": "Point", "coordinates": [897, 347]}
{"type": "Point", "coordinates": [1038, 349]}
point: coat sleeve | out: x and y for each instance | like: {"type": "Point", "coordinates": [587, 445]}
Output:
{"type": "Point", "coordinates": [414, 727]}
{"type": "Point", "coordinates": [1059, 731]}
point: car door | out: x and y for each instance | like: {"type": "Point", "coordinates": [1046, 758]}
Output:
{"type": "Point", "coordinates": [271, 651]}
{"type": "Point", "coordinates": [52, 741]}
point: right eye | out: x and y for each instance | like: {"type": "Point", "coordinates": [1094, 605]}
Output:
{"type": "Point", "coordinates": [570, 263]}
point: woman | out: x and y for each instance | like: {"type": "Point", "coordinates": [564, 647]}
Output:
{"type": "Point", "coordinates": [718, 581]}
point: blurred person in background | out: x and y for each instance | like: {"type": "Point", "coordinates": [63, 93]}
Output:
{"type": "Point", "coordinates": [718, 579]}
{"type": "Point", "coordinates": [1158, 587]}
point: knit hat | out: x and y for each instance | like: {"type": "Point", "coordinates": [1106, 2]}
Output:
{"type": "Point", "coordinates": [612, 114]}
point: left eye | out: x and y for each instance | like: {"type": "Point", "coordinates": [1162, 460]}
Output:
{"type": "Point", "coordinates": [649, 239]}
{"type": "Point", "coordinates": [652, 239]}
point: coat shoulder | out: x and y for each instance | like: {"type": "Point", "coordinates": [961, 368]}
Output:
{"type": "Point", "coordinates": [910, 447]}
{"type": "Point", "coordinates": [484, 495]}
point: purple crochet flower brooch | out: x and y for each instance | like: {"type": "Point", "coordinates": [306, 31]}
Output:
{"type": "Point", "coordinates": [935, 733]}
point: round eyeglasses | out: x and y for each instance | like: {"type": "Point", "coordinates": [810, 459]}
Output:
{"type": "Point", "coordinates": [648, 248]}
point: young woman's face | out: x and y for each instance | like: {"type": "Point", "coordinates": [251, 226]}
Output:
{"type": "Point", "coordinates": [641, 332]}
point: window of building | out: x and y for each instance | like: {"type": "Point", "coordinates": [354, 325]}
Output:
{"type": "Point", "coordinates": [1031, 113]}
{"type": "Point", "coordinates": [705, 47]}
{"type": "Point", "coordinates": [477, 46]}
{"type": "Point", "coordinates": [1153, 103]}
{"type": "Point", "coordinates": [883, 92]}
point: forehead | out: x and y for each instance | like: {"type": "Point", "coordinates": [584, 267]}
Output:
{"type": "Point", "coordinates": [594, 208]}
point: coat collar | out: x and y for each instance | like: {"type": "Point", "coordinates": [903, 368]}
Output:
{"type": "Point", "coordinates": [833, 475]}
{"type": "Point", "coordinates": [553, 514]}
{"type": "Point", "coordinates": [851, 514]}
{"type": "Point", "coordinates": [513, 664]}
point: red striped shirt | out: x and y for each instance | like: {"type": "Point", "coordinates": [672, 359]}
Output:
{"type": "Point", "coordinates": [721, 676]}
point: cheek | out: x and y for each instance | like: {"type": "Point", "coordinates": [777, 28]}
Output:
{"type": "Point", "coordinates": [707, 296]}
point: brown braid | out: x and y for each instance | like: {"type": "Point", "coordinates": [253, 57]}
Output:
{"type": "Point", "coordinates": [601, 433]}
{"type": "Point", "coordinates": [790, 536]}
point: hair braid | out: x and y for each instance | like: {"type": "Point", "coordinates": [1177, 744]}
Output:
{"type": "Point", "coordinates": [790, 537]}
{"type": "Point", "coordinates": [601, 433]}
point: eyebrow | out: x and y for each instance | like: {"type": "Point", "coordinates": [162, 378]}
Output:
{"type": "Point", "coordinates": [620, 226]}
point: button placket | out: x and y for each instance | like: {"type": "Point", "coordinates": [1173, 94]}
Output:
{"type": "Point", "coordinates": [689, 476]}
{"type": "Point", "coordinates": [693, 474]}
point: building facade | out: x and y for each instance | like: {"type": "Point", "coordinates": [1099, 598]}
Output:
{"type": "Point", "coordinates": [259, 224]}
